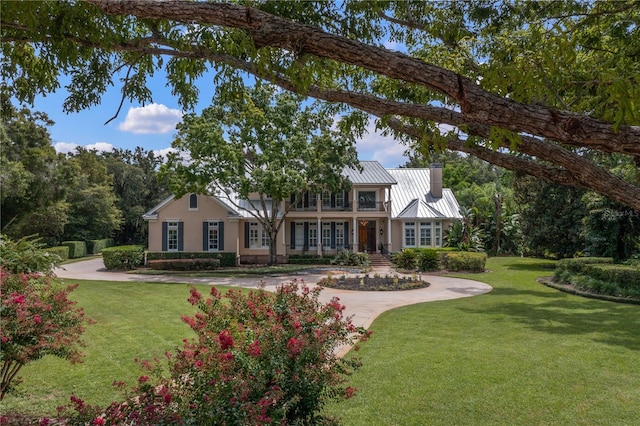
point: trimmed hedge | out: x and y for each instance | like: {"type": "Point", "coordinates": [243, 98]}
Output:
{"type": "Point", "coordinates": [464, 261]}
{"type": "Point", "coordinates": [227, 259]}
{"type": "Point", "coordinates": [123, 257]}
{"type": "Point", "coordinates": [309, 259]}
{"type": "Point", "coordinates": [96, 246]}
{"type": "Point", "coordinates": [422, 259]}
{"type": "Point", "coordinates": [599, 276]}
{"type": "Point", "coordinates": [203, 264]}
{"type": "Point", "coordinates": [61, 251]}
{"type": "Point", "coordinates": [577, 264]}
{"type": "Point", "coordinates": [76, 248]}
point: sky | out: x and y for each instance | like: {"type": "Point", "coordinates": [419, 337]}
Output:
{"type": "Point", "coordinates": [152, 126]}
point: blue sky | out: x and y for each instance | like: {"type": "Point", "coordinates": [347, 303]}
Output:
{"type": "Point", "coordinates": [153, 126]}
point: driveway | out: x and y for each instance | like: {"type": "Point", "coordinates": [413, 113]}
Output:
{"type": "Point", "coordinates": [363, 306]}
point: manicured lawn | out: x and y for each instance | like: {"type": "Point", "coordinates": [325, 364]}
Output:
{"type": "Point", "coordinates": [132, 320]}
{"type": "Point", "coordinates": [522, 354]}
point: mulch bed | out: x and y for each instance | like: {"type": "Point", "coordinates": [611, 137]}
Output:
{"type": "Point", "coordinates": [370, 283]}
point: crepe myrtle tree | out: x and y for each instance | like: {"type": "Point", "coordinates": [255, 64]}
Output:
{"type": "Point", "coordinates": [530, 86]}
{"type": "Point", "coordinates": [256, 148]}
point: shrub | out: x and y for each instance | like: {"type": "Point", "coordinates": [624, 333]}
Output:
{"type": "Point", "coordinates": [351, 258]}
{"type": "Point", "coordinates": [576, 265]}
{"type": "Point", "coordinates": [96, 246]}
{"type": "Point", "coordinates": [123, 257]}
{"type": "Point", "coordinates": [465, 261]}
{"type": "Point", "coordinates": [61, 251]}
{"type": "Point", "coordinates": [405, 259]}
{"type": "Point", "coordinates": [37, 319]}
{"type": "Point", "coordinates": [308, 259]}
{"type": "Point", "coordinates": [261, 358]}
{"type": "Point", "coordinates": [428, 260]}
{"type": "Point", "coordinates": [185, 264]}
{"type": "Point", "coordinates": [227, 259]}
{"type": "Point", "coordinates": [26, 255]}
{"type": "Point", "coordinates": [76, 248]}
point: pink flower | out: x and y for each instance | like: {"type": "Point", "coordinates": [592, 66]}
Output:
{"type": "Point", "coordinates": [143, 379]}
{"type": "Point", "coordinates": [4, 339]}
{"type": "Point", "coordinates": [294, 346]}
{"type": "Point", "coordinates": [98, 421]}
{"type": "Point", "coordinates": [37, 319]}
{"type": "Point", "coordinates": [18, 299]}
{"type": "Point", "coordinates": [254, 349]}
{"type": "Point", "coordinates": [226, 340]}
{"type": "Point", "coordinates": [350, 392]}
{"type": "Point", "coordinates": [195, 297]}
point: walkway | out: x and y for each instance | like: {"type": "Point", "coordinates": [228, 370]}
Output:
{"type": "Point", "coordinates": [363, 306]}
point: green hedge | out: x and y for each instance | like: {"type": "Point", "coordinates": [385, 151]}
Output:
{"type": "Point", "coordinates": [227, 259]}
{"type": "Point", "coordinates": [76, 248]}
{"type": "Point", "coordinates": [96, 246]}
{"type": "Point", "coordinates": [309, 259]}
{"type": "Point", "coordinates": [123, 257]}
{"type": "Point", "coordinates": [464, 261]}
{"type": "Point", "coordinates": [578, 264]}
{"type": "Point", "coordinates": [599, 276]}
{"type": "Point", "coordinates": [202, 264]}
{"type": "Point", "coordinates": [61, 251]}
{"type": "Point", "coordinates": [423, 259]}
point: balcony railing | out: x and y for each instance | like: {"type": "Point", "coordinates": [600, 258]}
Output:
{"type": "Point", "coordinates": [373, 206]}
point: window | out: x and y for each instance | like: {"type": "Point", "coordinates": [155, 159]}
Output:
{"type": "Point", "coordinates": [340, 201]}
{"type": "Point", "coordinates": [438, 234]}
{"type": "Point", "coordinates": [425, 234]}
{"type": "Point", "coordinates": [193, 202]}
{"type": "Point", "coordinates": [410, 234]}
{"type": "Point", "coordinates": [265, 238]}
{"type": "Point", "coordinates": [172, 236]}
{"type": "Point", "coordinates": [339, 235]}
{"type": "Point", "coordinates": [313, 235]}
{"type": "Point", "coordinates": [326, 234]}
{"type": "Point", "coordinates": [326, 199]}
{"type": "Point", "coordinates": [258, 237]}
{"type": "Point", "coordinates": [214, 234]}
{"type": "Point", "coordinates": [312, 200]}
{"type": "Point", "coordinates": [366, 199]}
{"type": "Point", "coordinates": [299, 240]}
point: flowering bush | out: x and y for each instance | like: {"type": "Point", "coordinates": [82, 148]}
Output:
{"type": "Point", "coordinates": [36, 319]}
{"type": "Point", "coordinates": [259, 358]}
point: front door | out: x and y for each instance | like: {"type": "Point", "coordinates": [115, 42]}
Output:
{"type": "Point", "coordinates": [367, 236]}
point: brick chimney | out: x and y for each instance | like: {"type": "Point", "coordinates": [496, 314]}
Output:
{"type": "Point", "coordinates": [436, 180]}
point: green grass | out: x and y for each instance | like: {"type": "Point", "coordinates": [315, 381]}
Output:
{"type": "Point", "coordinates": [522, 354]}
{"type": "Point", "coordinates": [235, 272]}
{"type": "Point", "coordinates": [132, 320]}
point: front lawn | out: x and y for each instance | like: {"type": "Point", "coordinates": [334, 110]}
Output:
{"type": "Point", "coordinates": [521, 354]}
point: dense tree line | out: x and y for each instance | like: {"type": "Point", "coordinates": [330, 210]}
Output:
{"type": "Point", "coordinates": [512, 213]}
{"type": "Point", "coordinates": [83, 195]}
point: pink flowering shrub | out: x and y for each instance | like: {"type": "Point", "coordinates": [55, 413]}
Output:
{"type": "Point", "coordinates": [259, 358]}
{"type": "Point", "coordinates": [36, 319]}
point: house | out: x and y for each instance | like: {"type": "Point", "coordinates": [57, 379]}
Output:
{"type": "Point", "coordinates": [385, 210]}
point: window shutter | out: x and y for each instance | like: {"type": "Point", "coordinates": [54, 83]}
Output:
{"type": "Point", "coordinates": [346, 200]}
{"type": "Point", "coordinates": [165, 231]}
{"type": "Point", "coordinates": [306, 199]}
{"type": "Point", "coordinates": [346, 234]}
{"type": "Point", "coordinates": [333, 235]}
{"type": "Point", "coordinates": [333, 200]}
{"type": "Point", "coordinates": [293, 235]}
{"type": "Point", "coordinates": [306, 236]}
{"type": "Point", "coordinates": [246, 235]}
{"type": "Point", "coordinates": [205, 236]}
{"type": "Point", "coordinates": [180, 236]}
{"type": "Point", "coordinates": [220, 236]}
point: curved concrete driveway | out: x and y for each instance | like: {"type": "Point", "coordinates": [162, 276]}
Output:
{"type": "Point", "coordinates": [363, 306]}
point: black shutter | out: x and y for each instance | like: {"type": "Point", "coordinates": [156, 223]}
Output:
{"type": "Point", "coordinates": [333, 235]}
{"type": "Point", "coordinates": [293, 235]}
{"type": "Point", "coordinates": [306, 199]}
{"type": "Point", "coordinates": [346, 235]}
{"type": "Point", "coordinates": [205, 236]}
{"type": "Point", "coordinates": [333, 200]}
{"type": "Point", "coordinates": [246, 235]}
{"type": "Point", "coordinates": [220, 236]}
{"type": "Point", "coordinates": [306, 236]}
{"type": "Point", "coordinates": [165, 231]}
{"type": "Point", "coordinates": [180, 236]}
{"type": "Point", "coordinates": [346, 200]}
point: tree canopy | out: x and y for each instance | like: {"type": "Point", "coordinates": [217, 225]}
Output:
{"type": "Point", "coordinates": [529, 86]}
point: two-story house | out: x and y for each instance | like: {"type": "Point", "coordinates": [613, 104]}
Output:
{"type": "Point", "coordinates": [384, 211]}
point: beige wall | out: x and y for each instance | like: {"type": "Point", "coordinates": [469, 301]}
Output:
{"type": "Point", "coordinates": [178, 210]}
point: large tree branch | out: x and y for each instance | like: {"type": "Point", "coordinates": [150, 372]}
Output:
{"type": "Point", "coordinates": [477, 105]}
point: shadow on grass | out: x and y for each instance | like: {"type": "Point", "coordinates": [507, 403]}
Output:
{"type": "Point", "coordinates": [561, 314]}
{"type": "Point", "coordinates": [522, 266]}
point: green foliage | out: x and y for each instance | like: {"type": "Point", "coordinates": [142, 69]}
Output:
{"type": "Point", "coordinates": [465, 235]}
{"type": "Point", "coordinates": [351, 258]}
{"type": "Point", "coordinates": [578, 264]}
{"type": "Point", "coordinates": [96, 246]}
{"type": "Point", "coordinates": [61, 251]}
{"type": "Point", "coordinates": [309, 259]}
{"type": "Point", "coordinates": [405, 259]}
{"type": "Point", "coordinates": [227, 259]}
{"type": "Point", "coordinates": [26, 256]}
{"type": "Point", "coordinates": [76, 248]}
{"type": "Point", "coordinates": [204, 264]}
{"type": "Point", "coordinates": [428, 260]}
{"type": "Point", "coordinates": [123, 257]}
{"type": "Point", "coordinates": [599, 275]}
{"type": "Point", "coordinates": [464, 261]}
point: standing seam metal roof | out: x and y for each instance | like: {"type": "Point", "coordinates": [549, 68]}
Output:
{"type": "Point", "coordinates": [372, 174]}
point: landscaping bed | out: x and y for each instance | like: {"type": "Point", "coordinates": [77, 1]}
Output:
{"type": "Point", "coordinates": [374, 283]}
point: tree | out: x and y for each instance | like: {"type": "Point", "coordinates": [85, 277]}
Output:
{"type": "Point", "coordinates": [256, 150]}
{"type": "Point", "coordinates": [529, 86]}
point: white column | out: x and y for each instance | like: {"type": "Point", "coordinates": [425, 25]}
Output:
{"type": "Point", "coordinates": [318, 238]}
{"type": "Point", "coordinates": [355, 234]}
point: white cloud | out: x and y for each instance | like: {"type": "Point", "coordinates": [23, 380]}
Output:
{"type": "Point", "coordinates": [384, 149]}
{"type": "Point", "coordinates": [153, 118]}
{"type": "Point", "coordinates": [100, 146]}
{"type": "Point", "coordinates": [67, 147]}
{"type": "Point", "coordinates": [163, 152]}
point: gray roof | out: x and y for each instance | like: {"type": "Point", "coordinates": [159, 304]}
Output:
{"type": "Point", "coordinates": [411, 199]}
{"type": "Point", "coordinates": [372, 174]}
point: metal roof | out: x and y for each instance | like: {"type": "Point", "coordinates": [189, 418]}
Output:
{"type": "Point", "coordinates": [372, 174]}
{"type": "Point", "coordinates": [411, 199]}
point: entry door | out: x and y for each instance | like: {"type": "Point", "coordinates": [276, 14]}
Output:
{"type": "Point", "coordinates": [362, 237]}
